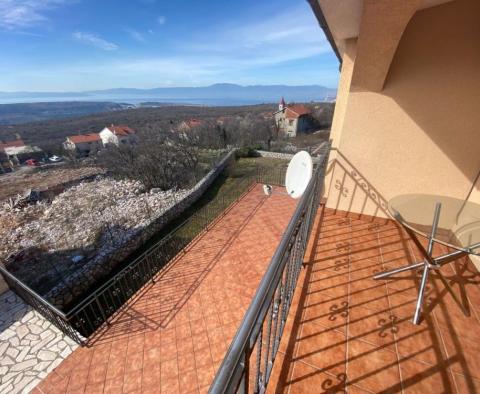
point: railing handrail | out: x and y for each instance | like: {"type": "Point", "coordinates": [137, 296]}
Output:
{"type": "Point", "coordinates": [259, 305]}
{"type": "Point", "coordinates": [38, 297]}
{"type": "Point", "coordinates": [135, 262]}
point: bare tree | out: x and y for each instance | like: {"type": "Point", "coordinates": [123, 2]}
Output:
{"type": "Point", "coordinates": [161, 160]}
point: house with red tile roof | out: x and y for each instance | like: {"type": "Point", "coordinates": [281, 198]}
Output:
{"type": "Point", "coordinates": [84, 144]}
{"type": "Point", "coordinates": [118, 135]}
{"type": "Point", "coordinates": [190, 124]}
{"type": "Point", "coordinates": [10, 144]}
{"type": "Point", "coordinates": [292, 119]}
{"type": "Point", "coordinates": [5, 164]}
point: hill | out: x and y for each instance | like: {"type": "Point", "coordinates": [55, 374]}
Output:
{"type": "Point", "coordinates": [217, 94]}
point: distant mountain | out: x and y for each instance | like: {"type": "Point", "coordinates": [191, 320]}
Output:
{"type": "Point", "coordinates": [217, 94]}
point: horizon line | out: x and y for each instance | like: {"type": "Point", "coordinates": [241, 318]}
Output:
{"type": "Point", "coordinates": [163, 87]}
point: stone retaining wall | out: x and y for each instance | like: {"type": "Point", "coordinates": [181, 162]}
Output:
{"type": "Point", "coordinates": [101, 265]}
{"type": "Point", "coordinates": [279, 155]}
{"type": "Point", "coordinates": [3, 285]}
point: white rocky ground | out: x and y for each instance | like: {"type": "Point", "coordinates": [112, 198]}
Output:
{"type": "Point", "coordinates": [93, 216]}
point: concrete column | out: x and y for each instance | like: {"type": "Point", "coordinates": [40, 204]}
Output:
{"type": "Point", "coordinates": [343, 93]}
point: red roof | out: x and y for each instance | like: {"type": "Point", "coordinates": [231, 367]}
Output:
{"type": "Point", "coordinates": [121, 130]}
{"type": "Point", "coordinates": [10, 144]}
{"type": "Point", "coordinates": [78, 139]}
{"type": "Point", "coordinates": [191, 123]}
{"type": "Point", "coordinates": [296, 110]}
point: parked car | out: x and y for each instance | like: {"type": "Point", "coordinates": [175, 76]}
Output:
{"type": "Point", "coordinates": [55, 159]}
{"type": "Point", "coordinates": [32, 163]}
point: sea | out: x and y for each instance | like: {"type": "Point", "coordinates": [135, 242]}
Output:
{"type": "Point", "coordinates": [134, 100]}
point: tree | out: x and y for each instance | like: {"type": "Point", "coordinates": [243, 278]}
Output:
{"type": "Point", "coordinates": [160, 160]}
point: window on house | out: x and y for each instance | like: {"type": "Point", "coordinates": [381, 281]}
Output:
{"type": "Point", "coordinates": [290, 122]}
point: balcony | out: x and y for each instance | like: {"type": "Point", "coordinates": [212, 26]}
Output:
{"type": "Point", "coordinates": [347, 332]}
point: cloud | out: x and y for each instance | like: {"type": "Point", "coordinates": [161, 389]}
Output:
{"type": "Point", "coordinates": [15, 14]}
{"type": "Point", "coordinates": [290, 34]}
{"type": "Point", "coordinates": [287, 47]}
{"type": "Point", "coordinates": [94, 40]}
{"type": "Point", "coordinates": [161, 19]}
{"type": "Point", "coordinates": [135, 34]}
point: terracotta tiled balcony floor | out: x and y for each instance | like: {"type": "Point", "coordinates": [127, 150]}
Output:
{"type": "Point", "coordinates": [348, 332]}
{"type": "Point", "coordinates": [174, 334]}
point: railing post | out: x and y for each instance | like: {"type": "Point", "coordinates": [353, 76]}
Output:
{"type": "Point", "coordinates": [101, 310]}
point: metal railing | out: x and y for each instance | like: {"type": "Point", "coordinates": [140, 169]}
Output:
{"type": "Point", "coordinates": [249, 361]}
{"type": "Point", "coordinates": [52, 314]}
{"type": "Point", "coordinates": [97, 308]}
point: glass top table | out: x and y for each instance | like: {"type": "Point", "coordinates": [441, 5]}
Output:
{"type": "Point", "coordinates": [458, 221]}
{"type": "Point", "coordinates": [445, 220]}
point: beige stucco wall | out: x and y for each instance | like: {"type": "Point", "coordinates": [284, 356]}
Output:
{"type": "Point", "coordinates": [421, 132]}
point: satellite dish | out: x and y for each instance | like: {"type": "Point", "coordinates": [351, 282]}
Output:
{"type": "Point", "coordinates": [299, 173]}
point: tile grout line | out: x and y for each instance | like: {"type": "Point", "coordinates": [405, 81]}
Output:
{"type": "Point", "coordinates": [347, 328]}
{"type": "Point", "coordinates": [395, 339]}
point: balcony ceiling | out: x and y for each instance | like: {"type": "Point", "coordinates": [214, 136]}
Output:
{"type": "Point", "coordinates": [344, 17]}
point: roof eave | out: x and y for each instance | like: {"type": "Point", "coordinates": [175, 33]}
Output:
{"type": "Point", "coordinates": [317, 10]}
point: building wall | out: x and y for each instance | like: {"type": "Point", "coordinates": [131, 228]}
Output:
{"type": "Point", "coordinates": [420, 133]}
{"type": "Point", "coordinates": [108, 137]}
{"type": "Point", "coordinates": [89, 146]}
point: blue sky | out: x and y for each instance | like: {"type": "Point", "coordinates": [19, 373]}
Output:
{"type": "Point", "coordinates": [71, 45]}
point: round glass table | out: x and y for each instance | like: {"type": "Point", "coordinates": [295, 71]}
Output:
{"type": "Point", "coordinates": [448, 221]}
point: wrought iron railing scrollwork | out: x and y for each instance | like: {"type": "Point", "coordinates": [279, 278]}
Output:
{"type": "Point", "coordinates": [249, 361]}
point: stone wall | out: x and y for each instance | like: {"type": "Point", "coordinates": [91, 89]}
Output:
{"type": "Point", "coordinates": [274, 155]}
{"type": "Point", "coordinates": [101, 265]}
{"type": "Point", "coordinates": [3, 285]}
{"type": "Point", "coordinates": [279, 155]}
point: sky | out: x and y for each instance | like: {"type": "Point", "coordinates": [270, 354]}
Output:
{"type": "Point", "coordinates": [77, 45]}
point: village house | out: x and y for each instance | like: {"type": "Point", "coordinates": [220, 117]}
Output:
{"type": "Point", "coordinates": [292, 119]}
{"type": "Point", "coordinates": [9, 144]}
{"type": "Point", "coordinates": [84, 144]}
{"type": "Point", "coordinates": [118, 135]}
{"type": "Point", "coordinates": [5, 164]}
{"type": "Point", "coordinates": [190, 124]}
{"type": "Point", "coordinates": [18, 155]}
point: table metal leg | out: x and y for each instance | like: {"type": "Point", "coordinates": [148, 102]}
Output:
{"type": "Point", "coordinates": [428, 263]}
{"type": "Point", "coordinates": [421, 293]}
{"type": "Point", "coordinates": [384, 274]}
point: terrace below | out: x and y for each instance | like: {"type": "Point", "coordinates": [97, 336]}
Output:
{"type": "Point", "coordinates": [173, 334]}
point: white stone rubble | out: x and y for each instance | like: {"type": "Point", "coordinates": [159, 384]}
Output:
{"type": "Point", "coordinates": [92, 215]}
